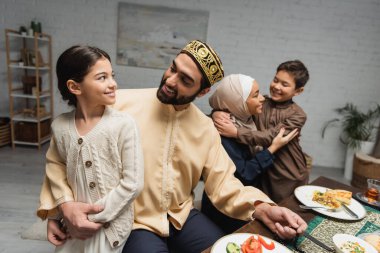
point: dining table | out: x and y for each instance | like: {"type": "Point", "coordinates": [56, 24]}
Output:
{"type": "Point", "coordinates": [315, 219]}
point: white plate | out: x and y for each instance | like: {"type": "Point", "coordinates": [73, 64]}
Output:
{"type": "Point", "coordinates": [361, 196]}
{"type": "Point", "coordinates": [340, 239]}
{"type": "Point", "coordinates": [363, 235]}
{"type": "Point", "coordinates": [305, 195]}
{"type": "Point", "coordinates": [239, 238]}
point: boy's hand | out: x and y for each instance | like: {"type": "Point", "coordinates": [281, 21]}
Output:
{"type": "Point", "coordinates": [75, 218]}
{"type": "Point", "coordinates": [226, 128]}
{"type": "Point", "coordinates": [223, 124]}
{"type": "Point", "coordinates": [54, 233]}
{"type": "Point", "coordinates": [280, 140]}
{"type": "Point", "coordinates": [220, 115]}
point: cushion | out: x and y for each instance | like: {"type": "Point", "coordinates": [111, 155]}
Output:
{"type": "Point", "coordinates": [36, 231]}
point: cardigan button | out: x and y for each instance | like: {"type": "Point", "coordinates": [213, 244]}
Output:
{"type": "Point", "coordinates": [80, 141]}
{"type": "Point", "coordinates": [88, 164]}
{"type": "Point", "coordinates": [92, 185]}
{"type": "Point", "coordinates": [106, 225]}
{"type": "Point", "coordinates": [115, 243]}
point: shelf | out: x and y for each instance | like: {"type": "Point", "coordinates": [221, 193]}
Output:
{"type": "Point", "coordinates": [20, 94]}
{"type": "Point", "coordinates": [43, 140]}
{"type": "Point", "coordinates": [31, 69]}
{"type": "Point", "coordinates": [16, 66]}
{"type": "Point", "coordinates": [20, 117]}
{"type": "Point", "coordinates": [28, 37]}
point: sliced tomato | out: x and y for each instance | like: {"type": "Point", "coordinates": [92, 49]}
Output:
{"type": "Point", "coordinates": [269, 246]}
{"type": "Point", "coordinates": [251, 245]}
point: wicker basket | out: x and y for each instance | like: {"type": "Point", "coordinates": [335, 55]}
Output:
{"type": "Point", "coordinates": [27, 131]}
{"type": "Point", "coordinates": [309, 161]}
{"type": "Point", "coordinates": [5, 132]}
{"type": "Point", "coordinates": [365, 167]}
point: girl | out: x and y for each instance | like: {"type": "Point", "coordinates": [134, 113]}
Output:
{"type": "Point", "coordinates": [239, 95]}
{"type": "Point", "coordinates": [100, 148]}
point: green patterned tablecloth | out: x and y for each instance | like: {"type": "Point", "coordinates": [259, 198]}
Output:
{"type": "Point", "coordinates": [324, 228]}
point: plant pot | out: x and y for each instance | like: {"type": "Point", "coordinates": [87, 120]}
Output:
{"type": "Point", "coordinates": [366, 147]}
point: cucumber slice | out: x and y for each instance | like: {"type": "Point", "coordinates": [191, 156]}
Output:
{"type": "Point", "coordinates": [232, 248]}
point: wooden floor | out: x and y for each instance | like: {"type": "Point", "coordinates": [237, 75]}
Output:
{"type": "Point", "coordinates": [21, 173]}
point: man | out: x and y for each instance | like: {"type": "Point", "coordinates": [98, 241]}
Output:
{"type": "Point", "coordinates": [180, 145]}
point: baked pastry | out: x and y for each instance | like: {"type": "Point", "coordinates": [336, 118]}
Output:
{"type": "Point", "coordinates": [340, 195]}
{"type": "Point", "coordinates": [374, 240]}
{"type": "Point", "coordinates": [326, 200]}
{"type": "Point", "coordinates": [332, 198]}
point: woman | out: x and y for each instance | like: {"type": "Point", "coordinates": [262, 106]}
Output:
{"type": "Point", "coordinates": [240, 96]}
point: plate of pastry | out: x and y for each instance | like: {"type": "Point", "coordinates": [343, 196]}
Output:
{"type": "Point", "coordinates": [330, 202]}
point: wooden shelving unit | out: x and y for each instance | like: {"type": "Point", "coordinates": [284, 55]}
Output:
{"type": "Point", "coordinates": [30, 86]}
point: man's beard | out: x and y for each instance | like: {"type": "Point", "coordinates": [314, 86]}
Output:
{"type": "Point", "coordinates": [161, 95]}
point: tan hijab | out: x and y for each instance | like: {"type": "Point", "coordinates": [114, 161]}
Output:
{"type": "Point", "coordinates": [231, 95]}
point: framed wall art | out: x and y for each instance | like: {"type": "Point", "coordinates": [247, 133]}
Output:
{"type": "Point", "coordinates": [151, 36]}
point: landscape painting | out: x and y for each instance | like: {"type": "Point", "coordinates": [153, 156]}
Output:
{"type": "Point", "coordinates": [151, 36]}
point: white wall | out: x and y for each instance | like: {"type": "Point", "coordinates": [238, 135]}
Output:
{"type": "Point", "coordinates": [338, 40]}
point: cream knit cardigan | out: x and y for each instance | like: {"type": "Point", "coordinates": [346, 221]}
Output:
{"type": "Point", "coordinates": [113, 163]}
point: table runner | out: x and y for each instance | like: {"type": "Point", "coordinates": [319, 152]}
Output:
{"type": "Point", "coordinates": [324, 228]}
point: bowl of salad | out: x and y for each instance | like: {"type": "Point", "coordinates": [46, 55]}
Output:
{"type": "Point", "coordinates": [345, 243]}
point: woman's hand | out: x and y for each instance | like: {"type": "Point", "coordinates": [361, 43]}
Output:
{"type": "Point", "coordinates": [280, 140]}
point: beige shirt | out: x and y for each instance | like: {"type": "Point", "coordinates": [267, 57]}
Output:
{"type": "Point", "coordinates": [179, 148]}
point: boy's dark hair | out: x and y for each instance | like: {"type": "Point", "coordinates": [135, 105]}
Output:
{"type": "Point", "coordinates": [75, 63]}
{"type": "Point", "coordinates": [296, 69]}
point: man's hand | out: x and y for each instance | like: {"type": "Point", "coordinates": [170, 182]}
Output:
{"type": "Point", "coordinates": [224, 124]}
{"type": "Point", "coordinates": [280, 220]}
{"type": "Point", "coordinates": [75, 218]}
{"type": "Point", "coordinates": [54, 233]}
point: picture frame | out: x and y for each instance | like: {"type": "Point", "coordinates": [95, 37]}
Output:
{"type": "Point", "coordinates": [24, 56]}
{"type": "Point", "coordinates": [30, 58]}
{"type": "Point", "coordinates": [40, 59]}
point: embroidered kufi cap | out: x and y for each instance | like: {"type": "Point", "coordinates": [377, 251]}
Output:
{"type": "Point", "coordinates": [206, 59]}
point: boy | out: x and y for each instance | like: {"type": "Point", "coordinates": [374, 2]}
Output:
{"type": "Point", "coordinates": [289, 170]}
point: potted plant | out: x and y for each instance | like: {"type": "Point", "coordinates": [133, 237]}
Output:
{"type": "Point", "coordinates": [358, 128]}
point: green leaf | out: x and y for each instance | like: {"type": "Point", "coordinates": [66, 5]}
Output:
{"type": "Point", "coordinates": [356, 126]}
